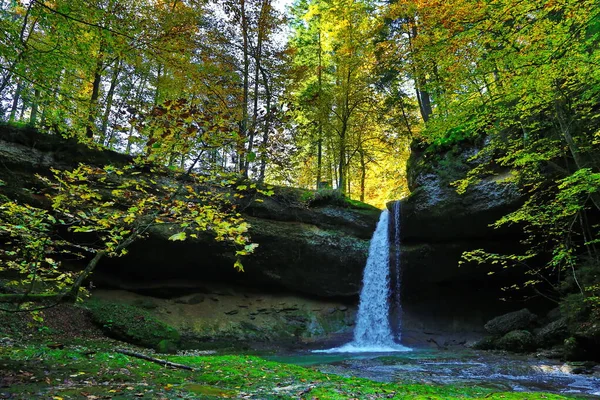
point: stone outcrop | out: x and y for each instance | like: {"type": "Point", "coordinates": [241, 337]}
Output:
{"type": "Point", "coordinates": [437, 226]}
{"type": "Point", "coordinates": [313, 250]}
{"type": "Point", "coordinates": [435, 211]}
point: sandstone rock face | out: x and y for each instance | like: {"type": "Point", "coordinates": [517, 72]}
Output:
{"type": "Point", "coordinates": [436, 226]}
{"type": "Point", "coordinates": [296, 256]}
{"type": "Point", "coordinates": [436, 212]}
{"type": "Point", "coordinates": [317, 251]}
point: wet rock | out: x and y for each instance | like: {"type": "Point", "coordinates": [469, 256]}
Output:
{"type": "Point", "coordinates": [517, 320]}
{"type": "Point", "coordinates": [553, 333]}
{"type": "Point", "coordinates": [487, 343]}
{"type": "Point", "coordinates": [518, 341]}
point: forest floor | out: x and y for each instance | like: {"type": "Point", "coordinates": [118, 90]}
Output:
{"type": "Point", "coordinates": [93, 369]}
{"type": "Point", "coordinates": [68, 358]}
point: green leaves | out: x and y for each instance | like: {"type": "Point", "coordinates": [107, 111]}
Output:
{"type": "Point", "coordinates": [178, 236]}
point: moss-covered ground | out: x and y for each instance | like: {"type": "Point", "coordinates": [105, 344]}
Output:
{"type": "Point", "coordinates": [92, 369]}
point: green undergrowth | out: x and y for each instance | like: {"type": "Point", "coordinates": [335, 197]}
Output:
{"type": "Point", "coordinates": [95, 370]}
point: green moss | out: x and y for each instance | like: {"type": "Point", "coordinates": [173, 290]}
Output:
{"type": "Point", "coordinates": [166, 347]}
{"type": "Point", "coordinates": [64, 373]}
{"type": "Point", "coordinates": [133, 325]}
{"type": "Point", "coordinates": [518, 341]}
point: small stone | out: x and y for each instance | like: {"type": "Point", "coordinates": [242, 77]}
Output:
{"type": "Point", "coordinates": [195, 299]}
{"type": "Point", "coordinates": [232, 312]}
{"type": "Point", "coordinates": [342, 308]}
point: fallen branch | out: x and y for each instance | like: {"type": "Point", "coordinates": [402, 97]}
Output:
{"type": "Point", "coordinates": [154, 360]}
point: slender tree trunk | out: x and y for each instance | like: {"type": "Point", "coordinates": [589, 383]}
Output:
{"type": "Point", "coordinates": [363, 174]}
{"type": "Point", "coordinates": [35, 107]}
{"type": "Point", "coordinates": [24, 106]}
{"type": "Point", "coordinates": [138, 98]}
{"type": "Point", "coordinates": [264, 13]}
{"type": "Point", "coordinates": [342, 157]}
{"type": "Point", "coordinates": [246, 71]}
{"type": "Point", "coordinates": [158, 78]}
{"type": "Point", "coordinates": [109, 102]}
{"type": "Point", "coordinates": [266, 127]}
{"type": "Point", "coordinates": [320, 109]}
{"type": "Point", "coordinates": [423, 97]}
{"type": "Point", "coordinates": [89, 132]}
{"type": "Point", "coordinates": [15, 102]}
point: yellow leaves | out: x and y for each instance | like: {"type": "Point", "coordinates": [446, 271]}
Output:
{"type": "Point", "coordinates": [181, 236]}
{"type": "Point", "coordinates": [238, 265]}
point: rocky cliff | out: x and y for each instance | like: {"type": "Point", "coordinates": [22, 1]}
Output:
{"type": "Point", "coordinates": [437, 226]}
{"type": "Point", "coordinates": [317, 250]}
{"type": "Point", "coordinates": [309, 249]}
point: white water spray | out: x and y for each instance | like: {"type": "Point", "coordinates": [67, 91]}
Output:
{"type": "Point", "coordinates": [373, 333]}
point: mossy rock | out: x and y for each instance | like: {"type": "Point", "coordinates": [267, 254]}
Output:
{"type": "Point", "coordinates": [513, 321]}
{"type": "Point", "coordinates": [133, 325]}
{"type": "Point", "coordinates": [518, 341]}
{"type": "Point", "coordinates": [553, 333]}
{"type": "Point", "coordinates": [487, 343]}
{"type": "Point", "coordinates": [167, 347]}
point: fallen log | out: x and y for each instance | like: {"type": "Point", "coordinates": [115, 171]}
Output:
{"type": "Point", "coordinates": [154, 360]}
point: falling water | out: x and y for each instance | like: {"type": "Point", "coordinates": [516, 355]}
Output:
{"type": "Point", "coordinates": [398, 271]}
{"type": "Point", "coordinates": [373, 332]}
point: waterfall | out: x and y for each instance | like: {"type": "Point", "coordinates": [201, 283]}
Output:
{"type": "Point", "coordinates": [373, 332]}
{"type": "Point", "coordinates": [398, 271]}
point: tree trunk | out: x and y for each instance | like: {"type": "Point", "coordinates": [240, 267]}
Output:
{"type": "Point", "coordinates": [363, 174]}
{"type": "Point", "coordinates": [89, 132]}
{"type": "Point", "coordinates": [320, 114]}
{"type": "Point", "coordinates": [423, 97]}
{"type": "Point", "coordinates": [15, 102]}
{"type": "Point", "coordinates": [266, 127]}
{"type": "Point", "coordinates": [34, 107]}
{"type": "Point", "coordinates": [246, 71]}
{"type": "Point", "coordinates": [109, 102]}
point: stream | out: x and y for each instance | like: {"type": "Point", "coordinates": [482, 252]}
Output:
{"type": "Point", "coordinates": [465, 367]}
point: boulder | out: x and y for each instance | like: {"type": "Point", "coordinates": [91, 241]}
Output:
{"type": "Point", "coordinates": [518, 341]}
{"type": "Point", "coordinates": [513, 321]}
{"type": "Point", "coordinates": [553, 333]}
